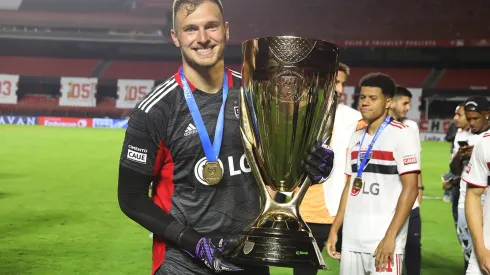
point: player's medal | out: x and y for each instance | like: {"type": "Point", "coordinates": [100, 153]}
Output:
{"type": "Point", "coordinates": [357, 184]}
{"type": "Point", "coordinates": [212, 172]}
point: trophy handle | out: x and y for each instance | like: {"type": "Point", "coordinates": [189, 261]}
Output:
{"type": "Point", "coordinates": [299, 196]}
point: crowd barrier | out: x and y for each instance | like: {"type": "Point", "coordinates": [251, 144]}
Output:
{"type": "Point", "coordinates": [65, 122]}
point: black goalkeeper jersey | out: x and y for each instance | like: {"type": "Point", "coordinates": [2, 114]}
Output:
{"type": "Point", "coordinates": [162, 141]}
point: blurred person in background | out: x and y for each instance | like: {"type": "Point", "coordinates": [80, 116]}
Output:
{"type": "Point", "coordinates": [451, 181]}
{"type": "Point", "coordinates": [399, 108]}
{"type": "Point", "coordinates": [476, 113]}
{"type": "Point", "coordinates": [476, 176]}
{"type": "Point", "coordinates": [321, 202]}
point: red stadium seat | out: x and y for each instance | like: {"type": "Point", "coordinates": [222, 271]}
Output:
{"type": "Point", "coordinates": [359, 20]}
{"type": "Point", "coordinates": [107, 102]}
{"type": "Point", "coordinates": [140, 70]}
{"type": "Point", "coordinates": [408, 77]}
{"type": "Point", "coordinates": [49, 67]}
{"type": "Point", "coordinates": [464, 79]}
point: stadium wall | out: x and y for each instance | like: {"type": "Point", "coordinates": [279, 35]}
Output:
{"type": "Point", "coordinates": [74, 122]}
{"type": "Point", "coordinates": [430, 130]}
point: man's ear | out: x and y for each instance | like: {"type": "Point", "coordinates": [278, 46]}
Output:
{"type": "Point", "coordinates": [174, 37]}
{"type": "Point", "coordinates": [227, 31]}
{"type": "Point", "coordinates": [389, 102]}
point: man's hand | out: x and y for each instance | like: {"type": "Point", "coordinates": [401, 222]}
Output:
{"type": "Point", "coordinates": [211, 253]}
{"type": "Point", "coordinates": [331, 246]}
{"type": "Point", "coordinates": [484, 260]}
{"type": "Point", "coordinates": [319, 162]}
{"type": "Point", "coordinates": [447, 185]}
{"type": "Point", "coordinates": [465, 152]}
{"type": "Point", "coordinates": [383, 252]}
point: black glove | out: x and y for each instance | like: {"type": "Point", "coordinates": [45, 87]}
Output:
{"type": "Point", "coordinates": [211, 253]}
{"type": "Point", "coordinates": [319, 162]}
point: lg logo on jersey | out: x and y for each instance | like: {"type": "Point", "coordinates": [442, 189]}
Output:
{"type": "Point", "coordinates": [372, 189]}
{"type": "Point", "coordinates": [234, 168]}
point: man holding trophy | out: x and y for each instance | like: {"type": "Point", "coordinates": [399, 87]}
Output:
{"type": "Point", "coordinates": [188, 136]}
{"type": "Point", "coordinates": [383, 162]}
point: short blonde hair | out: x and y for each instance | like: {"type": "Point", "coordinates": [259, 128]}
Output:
{"type": "Point", "coordinates": [193, 4]}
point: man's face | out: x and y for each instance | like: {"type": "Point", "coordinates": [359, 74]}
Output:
{"type": "Point", "coordinates": [477, 121]}
{"type": "Point", "coordinates": [340, 82]}
{"type": "Point", "coordinates": [400, 106]}
{"type": "Point", "coordinates": [201, 35]}
{"type": "Point", "coordinates": [460, 118]}
{"type": "Point", "coordinates": [372, 103]}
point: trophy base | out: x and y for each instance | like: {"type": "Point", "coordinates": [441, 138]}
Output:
{"type": "Point", "coordinates": [284, 248]}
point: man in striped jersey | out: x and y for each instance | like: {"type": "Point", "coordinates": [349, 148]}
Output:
{"type": "Point", "coordinates": [184, 136]}
{"type": "Point", "coordinates": [476, 177]}
{"type": "Point", "coordinates": [383, 162]}
{"type": "Point", "coordinates": [476, 112]}
{"type": "Point", "coordinates": [413, 253]}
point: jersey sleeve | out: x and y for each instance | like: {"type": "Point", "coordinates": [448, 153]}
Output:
{"type": "Point", "coordinates": [476, 173]}
{"type": "Point", "coordinates": [348, 166]}
{"type": "Point", "coordinates": [142, 141]}
{"type": "Point", "coordinates": [407, 152]}
{"type": "Point", "coordinates": [414, 126]}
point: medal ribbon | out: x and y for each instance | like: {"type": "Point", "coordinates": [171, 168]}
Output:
{"type": "Point", "coordinates": [211, 151]}
{"type": "Point", "coordinates": [360, 166]}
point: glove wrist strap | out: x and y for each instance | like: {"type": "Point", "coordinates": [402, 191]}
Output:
{"type": "Point", "coordinates": [184, 237]}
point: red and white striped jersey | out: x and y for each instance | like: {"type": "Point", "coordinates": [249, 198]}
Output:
{"type": "Point", "coordinates": [477, 173]}
{"type": "Point", "coordinates": [371, 209]}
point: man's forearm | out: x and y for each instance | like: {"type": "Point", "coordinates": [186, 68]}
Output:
{"type": "Point", "coordinates": [404, 206]}
{"type": "Point", "coordinates": [456, 165]}
{"type": "Point", "coordinates": [474, 218]}
{"type": "Point", "coordinates": [339, 218]}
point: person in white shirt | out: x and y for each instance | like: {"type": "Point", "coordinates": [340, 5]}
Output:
{"type": "Point", "coordinates": [321, 202]}
{"type": "Point", "coordinates": [476, 176]}
{"type": "Point", "coordinates": [476, 112]}
{"type": "Point", "coordinates": [452, 181]}
{"type": "Point", "coordinates": [413, 253]}
{"type": "Point", "coordinates": [383, 162]}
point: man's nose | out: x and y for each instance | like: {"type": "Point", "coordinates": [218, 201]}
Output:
{"type": "Point", "coordinates": [202, 36]}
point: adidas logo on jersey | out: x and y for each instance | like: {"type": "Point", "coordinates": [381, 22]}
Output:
{"type": "Point", "coordinates": [191, 129]}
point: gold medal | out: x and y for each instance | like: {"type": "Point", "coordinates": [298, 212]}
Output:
{"type": "Point", "coordinates": [357, 185]}
{"type": "Point", "coordinates": [212, 172]}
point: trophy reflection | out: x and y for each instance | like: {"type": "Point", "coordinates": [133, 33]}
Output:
{"type": "Point", "coordinates": [287, 104]}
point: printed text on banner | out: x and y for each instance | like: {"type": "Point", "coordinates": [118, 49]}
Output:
{"type": "Point", "coordinates": [131, 91]}
{"type": "Point", "coordinates": [78, 91]}
{"type": "Point", "coordinates": [8, 88]}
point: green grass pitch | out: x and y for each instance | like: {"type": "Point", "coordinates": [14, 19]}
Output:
{"type": "Point", "coordinates": [59, 212]}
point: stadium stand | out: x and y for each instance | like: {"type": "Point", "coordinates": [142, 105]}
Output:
{"type": "Point", "coordinates": [465, 79]}
{"type": "Point", "coordinates": [409, 77]}
{"type": "Point", "coordinates": [119, 69]}
{"type": "Point", "coordinates": [47, 67]}
{"type": "Point", "coordinates": [380, 19]}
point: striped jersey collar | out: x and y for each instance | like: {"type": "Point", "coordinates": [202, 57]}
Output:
{"type": "Point", "coordinates": [179, 80]}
